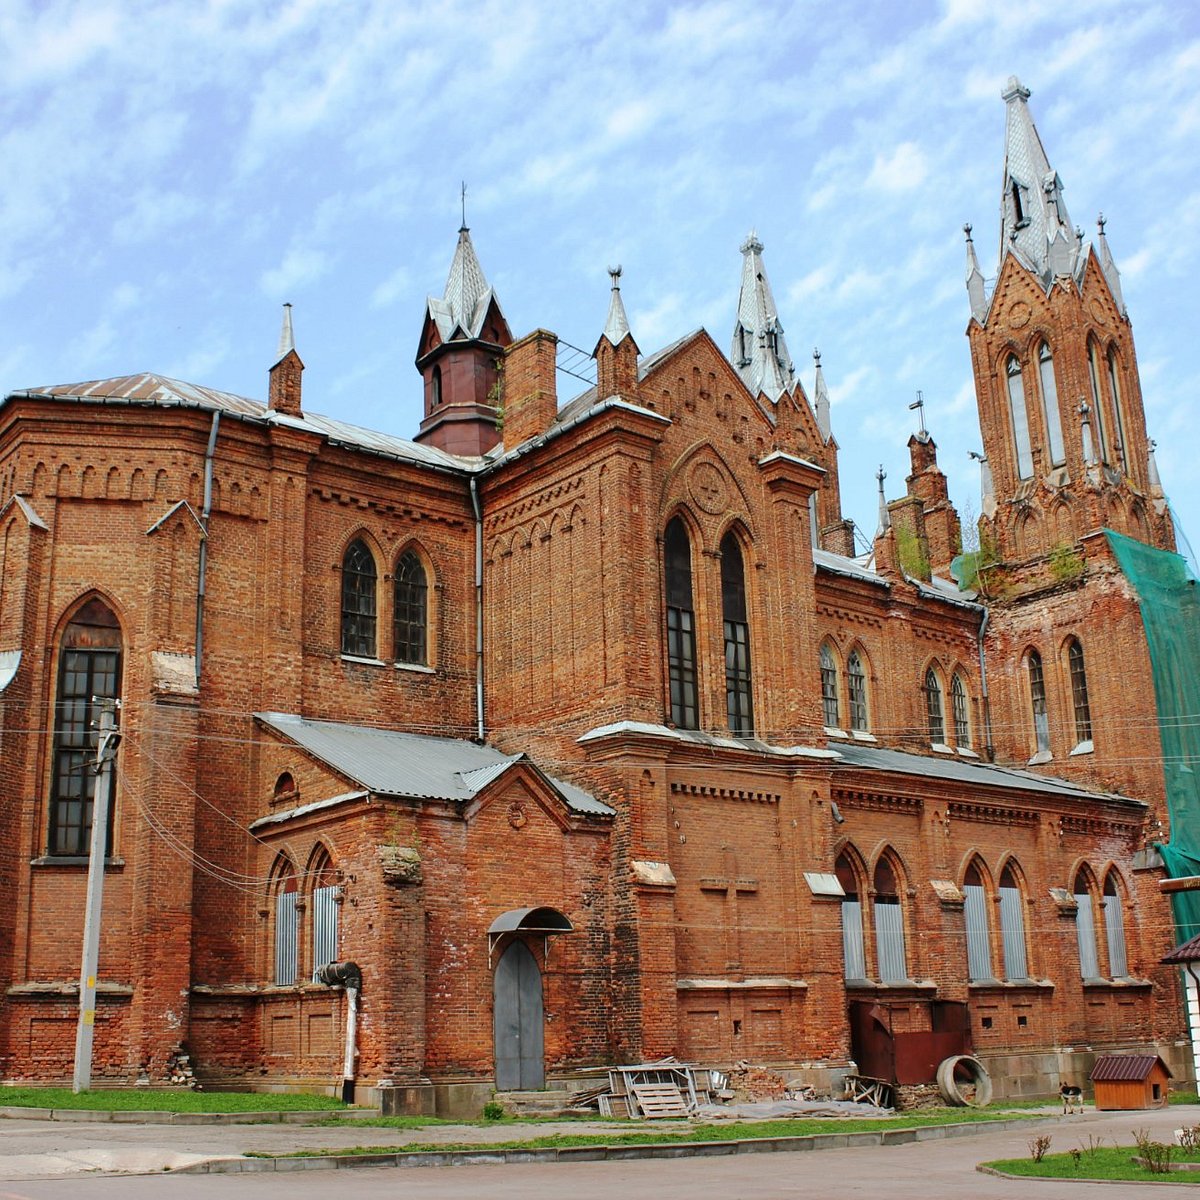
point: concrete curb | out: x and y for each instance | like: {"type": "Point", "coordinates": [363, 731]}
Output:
{"type": "Point", "coordinates": [135, 1117]}
{"type": "Point", "coordinates": [567, 1154]}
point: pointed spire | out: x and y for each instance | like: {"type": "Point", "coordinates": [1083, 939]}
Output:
{"type": "Point", "coordinates": [1109, 267]}
{"type": "Point", "coordinates": [616, 328]}
{"type": "Point", "coordinates": [885, 518]}
{"type": "Point", "coordinates": [616, 352]}
{"type": "Point", "coordinates": [976, 291]}
{"type": "Point", "coordinates": [465, 301]}
{"type": "Point", "coordinates": [287, 339]}
{"type": "Point", "coordinates": [759, 351]}
{"type": "Point", "coordinates": [1033, 216]}
{"type": "Point", "coordinates": [821, 400]}
{"type": "Point", "coordinates": [987, 489]}
{"type": "Point", "coordinates": [283, 389]}
{"type": "Point", "coordinates": [1152, 476]}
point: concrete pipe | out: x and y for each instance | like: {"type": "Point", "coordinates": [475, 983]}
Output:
{"type": "Point", "coordinates": [974, 1091]}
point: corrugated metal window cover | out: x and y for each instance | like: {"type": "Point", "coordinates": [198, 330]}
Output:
{"type": "Point", "coordinates": [286, 929]}
{"type": "Point", "coordinates": [325, 926]}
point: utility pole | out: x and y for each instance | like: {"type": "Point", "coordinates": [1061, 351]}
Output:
{"type": "Point", "coordinates": [106, 750]}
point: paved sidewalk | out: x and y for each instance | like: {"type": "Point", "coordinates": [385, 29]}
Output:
{"type": "Point", "coordinates": [47, 1149]}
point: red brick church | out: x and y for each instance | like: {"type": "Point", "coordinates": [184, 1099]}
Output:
{"type": "Point", "coordinates": [578, 723]}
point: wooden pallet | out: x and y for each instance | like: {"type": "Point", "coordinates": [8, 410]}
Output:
{"type": "Point", "coordinates": [659, 1100]}
{"type": "Point", "coordinates": [865, 1090]}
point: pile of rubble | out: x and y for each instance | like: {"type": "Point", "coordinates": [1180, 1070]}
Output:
{"type": "Point", "coordinates": [669, 1088]}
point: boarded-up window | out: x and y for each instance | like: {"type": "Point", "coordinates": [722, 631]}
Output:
{"type": "Point", "coordinates": [1114, 931]}
{"type": "Point", "coordinates": [979, 949]}
{"type": "Point", "coordinates": [1012, 927]}
{"type": "Point", "coordinates": [325, 926]}
{"type": "Point", "coordinates": [852, 924]}
{"type": "Point", "coordinates": [286, 940]}
{"type": "Point", "coordinates": [1085, 931]}
{"type": "Point", "coordinates": [889, 926]}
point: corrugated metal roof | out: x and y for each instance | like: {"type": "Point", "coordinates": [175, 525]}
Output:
{"type": "Point", "coordinates": [391, 763]}
{"type": "Point", "coordinates": [161, 392]}
{"type": "Point", "coordinates": [1125, 1068]}
{"type": "Point", "coordinates": [839, 564]}
{"type": "Point", "coordinates": [974, 774]}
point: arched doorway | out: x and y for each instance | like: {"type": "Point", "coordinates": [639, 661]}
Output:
{"type": "Point", "coordinates": [518, 1021]}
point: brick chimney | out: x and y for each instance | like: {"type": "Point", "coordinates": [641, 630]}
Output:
{"type": "Point", "coordinates": [530, 398]}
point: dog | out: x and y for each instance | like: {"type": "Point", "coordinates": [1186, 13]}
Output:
{"type": "Point", "coordinates": [1072, 1098]}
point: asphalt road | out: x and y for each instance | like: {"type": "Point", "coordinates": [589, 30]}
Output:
{"type": "Point", "coordinates": [917, 1171]}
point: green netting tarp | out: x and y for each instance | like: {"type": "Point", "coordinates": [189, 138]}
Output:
{"type": "Point", "coordinates": [1170, 605]}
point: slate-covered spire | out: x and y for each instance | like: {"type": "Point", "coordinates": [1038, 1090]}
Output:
{"type": "Point", "coordinates": [462, 340]}
{"type": "Point", "coordinates": [759, 351]}
{"type": "Point", "coordinates": [1108, 266]}
{"type": "Point", "coordinates": [885, 518]}
{"type": "Point", "coordinates": [821, 400]}
{"type": "Point", "coordinates": [287, 338]}
{"type": "Point", "coordinates": [616, 352]}
{"type": "Point", "coordinates": [616, 328]}
{"type": "Point", "coordinates": [976, 291]}
{"type": "Point", "coordinates": [464, 303]}
{"type": "Point", "coordinates": [1033, 216]}
{"type": "Point", "coordinates": [283, 389]}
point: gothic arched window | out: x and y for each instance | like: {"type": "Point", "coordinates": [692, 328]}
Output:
{"type": "Point", "coordinates": [89, 669]}
{"type": "Point", "coordinates": [856, 686]}
{"type": "Point", "coordinates": [738, 700]}
{"type": "Point", "coordinates": [1114, 929]}
{"type": "Point", "coordinates": [1012, 925]}
{"type": "Point", "coordinates": [934, 718]}
{"type": "Point", "coordinates": [325, 898]}
{"type": "Point", "coordinates": [1037, 699]}
{"type": "Point", "coordinates": [1079, 692]}
{"type": "Point", "coordinates": [1085, 927]}
{"type": "Point", "coordinates": [889, 925]}
{"type": "Point", "coordinates": [1019, 416]}
{"type": "Point", "coordinates": [681, 625]}
{"type": "Point", "coordinates": [1101, 432]}
{"type": "Point", "coordinates": [853, 953]}
{"type": "Point", "coordinates": [358, 601]}
{"type": "Point", "coordinates": [975, 918]}
{"type": "Point", "coordinates": [960, 710]}
{"type": "Point", "coordinates": [410, 612]}
{"type": "Point", "coordinates": [1114, 384]}
{"type": "Point", "coordinates": [1058, 453]}
{"type": "Point", "coordinates": [829, 687]}
{"type": "Point", "coordinates": [285, 888]}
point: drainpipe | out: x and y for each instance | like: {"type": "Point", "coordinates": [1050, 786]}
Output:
{"type": "Point", "coordinates": [347, 975]}
{"type": "Point", "coordinates": [987, 704]}
{"type": "Point", "coordinates": [479, 724]}
{"type": "Point", "coordinates": [204, 515]}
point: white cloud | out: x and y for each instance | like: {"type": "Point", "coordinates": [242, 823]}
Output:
{"type": "Point", "coordinates": [300, 266]}
{"type": "Point", "coordinates": [903, 170]}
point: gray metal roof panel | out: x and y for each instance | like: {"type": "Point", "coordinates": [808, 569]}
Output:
{"type": "Point", "coordinates": [839, 564]}
{"type": "Point", "coordinates": [389, 762]}
{"type": "Point", "coordinates": [976, 774]}
{"type": "Point", "coordinates": [161, 392]}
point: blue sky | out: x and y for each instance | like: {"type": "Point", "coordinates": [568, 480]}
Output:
{"type": "Point", "coordinates": [174, 172]}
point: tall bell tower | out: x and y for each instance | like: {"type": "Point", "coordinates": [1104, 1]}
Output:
{"type": "Point", "coordinates": [1066, 460]}
{"type": "Point", "coordinates": [1060, 402]}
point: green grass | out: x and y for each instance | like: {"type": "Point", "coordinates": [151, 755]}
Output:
{"type": "Point", "coordinates": [1183, 1098]}
{"type": "Point", "coordinates": [1107, 1162]}
{"type": "Point", "coordinates": [725, 1131]}
{"type": "Point", "coordinates": [149, 1100]}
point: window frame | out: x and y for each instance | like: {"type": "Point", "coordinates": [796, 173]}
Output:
{"type": "Point", "coordinates": [683, 693]}
{"type": "Point", "coordinates": [1018, 415]}
{"type": "Point", "coordinates": [935, 711]}
{"type": "Point", "coordinates": [1051, 412]}
{"type": "Point", "coordinates": [1080, 704]}
{"type": "Point", "coordinates": [359, 601]}
{"type": "Point", "coordinates": [960, 709]}
{"type": "Point", "coordinates": [830, 701]}
{"type": "Point", "coordinates": [735, 618]}
{"type": "Point", "coordinates": [1039, 710]}
{"type": "Point", "coordinates": [92, 634]}
{"type": "Point", "coordinates": [410, 610]}
{"type": "Point", "coordinates": [857, 692]}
